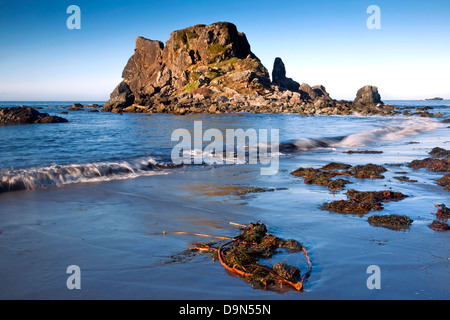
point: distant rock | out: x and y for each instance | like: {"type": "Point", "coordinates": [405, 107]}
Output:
{"type": "Point", "coordinates": [368, 95]}
{"type": "Point", "coordinates": [279, 76]}
{"type": "Point", "coordinates": [23, 115]}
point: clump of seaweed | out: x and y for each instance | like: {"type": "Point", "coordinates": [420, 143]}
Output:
{"type": "Point", "coordinates": [241, 256]}
{"type": "Point", "coordinates": [444, 181]}
{"type": "Point", "coordinates": [368, 171]}
{"type": "Point", "coordinates": [363, 151]}
{"type": "Point", "coordinates": [391, 221]}
{"type": "Point", "coordinates": [321, 178]}
{"type": "Point", "coordinates": [336, 166]}
{"type": "Point", "coordinates": [439, 152]}
{"type": "Point", "coordinates": [432, 164]}
{"type": "Point", "coordinates": [442, 212]}
{"type": "Point", "coordinates": [324, 176]}
{"type": "Point", "coordinates": [404, 179]}
{"type": "Point", "coordinates": [362, 202]}
{"type": "Point", "coordinates": [439, 226]}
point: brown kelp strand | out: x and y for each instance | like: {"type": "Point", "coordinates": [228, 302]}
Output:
{"type": "Point", "coordinates": [241, 257]}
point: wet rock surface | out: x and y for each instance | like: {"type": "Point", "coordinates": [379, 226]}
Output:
{"type": "Point", "coordinates": [26, 115]}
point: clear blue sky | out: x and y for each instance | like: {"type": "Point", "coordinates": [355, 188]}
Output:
{"type": "Point", "coordinates": [320, 42]}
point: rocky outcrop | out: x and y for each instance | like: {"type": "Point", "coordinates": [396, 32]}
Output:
{"type": "Point", "coordinates": [211, 69]}
{"type": "Point", "coordinates": [367, 96]}
{"type": "Point", "coordinates": [279, 77]}
{"type": "Point", "coordinates": [23, 115]}
{"type": "Point", "coordinates": [216, 57]}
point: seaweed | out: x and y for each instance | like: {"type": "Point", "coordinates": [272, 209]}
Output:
{"type": "Point", "coordinates": [404, 179]}
{"type": "Point", "coordinates": [432, 164]}
{"type": "Point", "coordinates": [363, 151]}
{"type": "Point", "coordinates": [444, 182]}
{"type": "Point", "coordinates": [391, 221]}
{"type": "Point", "coordinates": [439, 152]}
{"type": "Point", "coordinates": [439, 226]}
{"type": "Point", "coordinates": [368, 171]}
{"type": "Point", "coordinates": [442, 212]}
{"type": "Point", "coordinates": [362, 202]}
{"type": "Point", "coordinates": [321, 178]}
{"type": "Point", "coordinates": [241, 256]}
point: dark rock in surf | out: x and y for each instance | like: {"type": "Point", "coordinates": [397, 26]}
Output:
{"type": "Point", "coordinates": [24, 115]}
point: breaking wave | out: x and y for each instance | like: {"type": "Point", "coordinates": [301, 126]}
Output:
{"type": "Point", "coordinates": [57, 175]}
{"type": "Point", "coordinates": [392, 132]}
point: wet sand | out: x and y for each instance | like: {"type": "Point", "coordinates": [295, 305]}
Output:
{"type": "Point", "coordinates": [114, 232]}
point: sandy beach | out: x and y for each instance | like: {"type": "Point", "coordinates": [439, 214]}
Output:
{"type": "Point", "coordinates": [114, 232]}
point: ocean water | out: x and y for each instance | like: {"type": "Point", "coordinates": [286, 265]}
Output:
{"type": "Point", "coordinates": [101, 188]}
{"type": "Point", "coordinates": [105, 146]}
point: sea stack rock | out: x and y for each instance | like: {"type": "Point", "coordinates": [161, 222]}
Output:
{"type": "Point", "coordinates": [367, 96]}
{"type": "Point", "coordinates": [24, 115]}
{"type": "Point", "coordinates": [208, 60]}
{"type": "Point", "coordinates": [279, 77]}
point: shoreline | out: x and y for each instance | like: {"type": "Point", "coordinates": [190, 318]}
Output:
{"type": "Point", "coordinates": [114, 232]}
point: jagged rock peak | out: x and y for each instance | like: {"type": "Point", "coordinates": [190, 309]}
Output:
{"type": "Point", "coordinates": [279, 76]}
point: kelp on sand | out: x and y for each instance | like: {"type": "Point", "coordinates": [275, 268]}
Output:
{"type": "Point", "coordinates": [241, 256]}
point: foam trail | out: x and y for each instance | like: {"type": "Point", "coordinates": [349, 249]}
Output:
{"type": "Point", "coordinates": [393, 132]}
{"type": "Point", "coordinates": [390, 133]}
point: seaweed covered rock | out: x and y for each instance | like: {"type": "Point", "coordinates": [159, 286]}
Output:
{"type": "Point", "coordinates": [442, 212]}
{"type": "Point", "coordinates": [444, 181]}
{"type": "Point", "coordinates": [362, 202]}
{"type": "Point", "coordinates": [368, 171]}
{"type": "Point", "coordinates": [324, 176]}
{"type": "Point", "coordinates": [432, 164]}
{"type": "Point", "coordinates": [439, 152]}
{"type": "Point", "coordinates": [391, 221]}
{"type": "Point", "coordinates": [321, 178]}
{"type": "Point", "coordinates": [439, 226]}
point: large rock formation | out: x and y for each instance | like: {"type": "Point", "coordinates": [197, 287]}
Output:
{"type": "Point", "coordinates": [211, 68]}
{"type": "Point", "coordinates": [23, 115]}
{"type": "Point", "coordinates": [367, 96]}
{"type": "Point", "coordinates": [216, 57]}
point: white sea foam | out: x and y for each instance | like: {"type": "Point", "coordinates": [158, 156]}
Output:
{"type": "Point", "coordinates": [57, 175]}
{"type": "Point", "coordinates": [398, 131]}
